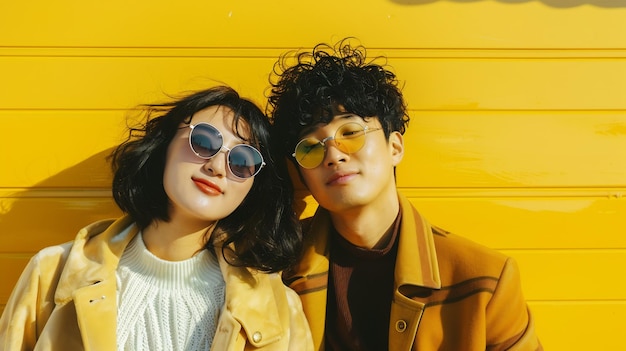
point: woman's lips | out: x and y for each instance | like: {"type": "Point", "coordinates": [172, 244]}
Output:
{"type": "Point", "coordinates": [207, 187]}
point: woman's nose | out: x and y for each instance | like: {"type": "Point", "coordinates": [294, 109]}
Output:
{"type": "Point", "coordinates": [217, 164]}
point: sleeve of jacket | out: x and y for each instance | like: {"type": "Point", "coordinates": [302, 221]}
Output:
{"type": "Point", "coordinates": [510, 325]}
{"type": "Point", "coordinates": [31, 301]}
{"type": "Point", "coordinates": [300, 334]}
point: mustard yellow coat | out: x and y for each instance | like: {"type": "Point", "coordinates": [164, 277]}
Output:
{"type": "Point", "coordinates": [65, 300]}
{"type": "Point", "coordinates": [449, 293]}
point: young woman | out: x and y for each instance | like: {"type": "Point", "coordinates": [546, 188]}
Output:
{"type": "Point", "coordinates": [193, 264]}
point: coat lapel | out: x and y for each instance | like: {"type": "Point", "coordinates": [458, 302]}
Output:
{"type": "Point", "coordinates": [89, 280]}
{"type": "Point", "coordinates": [251, 301]}
{"type": "Point", "coordinates": [96, 313]}
{"type": "Point", "coordinates": [416, 263]}
{"type": "Point", "coordinates": [416, 275]}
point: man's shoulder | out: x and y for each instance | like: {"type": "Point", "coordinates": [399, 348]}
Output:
{"type": "Point", "coordinates": [458, 255]}
{"type": "Point", "coordinates": [448, 242]}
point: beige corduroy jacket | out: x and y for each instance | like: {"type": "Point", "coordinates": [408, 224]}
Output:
{"type": "Point", "coordinates": [65, 300]}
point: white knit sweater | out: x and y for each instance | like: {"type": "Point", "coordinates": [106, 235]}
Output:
{"type": "Point", "coordinates": [165, 305]}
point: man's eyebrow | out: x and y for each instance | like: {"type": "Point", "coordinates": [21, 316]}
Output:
{"type": "Point", "coordinates": [313, 127]}
{"type": "Point", "coordinates": [346, 115]}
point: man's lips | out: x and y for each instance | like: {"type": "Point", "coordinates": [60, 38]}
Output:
{"type": "Point", "coordinates": [207, 186]}
{"type": "Point", "coordinates": [340, 178]}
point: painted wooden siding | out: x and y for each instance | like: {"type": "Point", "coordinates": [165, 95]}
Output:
{"type": "Point", "coordinates": [517, 138]}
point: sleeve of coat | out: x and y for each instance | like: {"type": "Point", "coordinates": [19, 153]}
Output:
{"type": "Point", "coordinates": [300, 334]}
{"type": "Point", "coordinates": [31, 301]}
{"type": "Point", "coordinates": [510, 325]}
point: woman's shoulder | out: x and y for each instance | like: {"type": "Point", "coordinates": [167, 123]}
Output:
{"type": "Point", "coordinates": [52, 255]}
{"type": "Point", "coordinates": [56, 255]}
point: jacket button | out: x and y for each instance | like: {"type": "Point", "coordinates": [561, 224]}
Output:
{"type": "Point", "coordinates": [400, 326]}
{"type": "Point", "coordinates": [256, 337]}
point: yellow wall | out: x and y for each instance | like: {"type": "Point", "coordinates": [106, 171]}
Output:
{"type": "Point", "coordinates": [517, 138]}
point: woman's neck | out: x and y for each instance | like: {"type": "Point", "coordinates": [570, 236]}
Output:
{"type": "Point", "coordinates": [173, 241]}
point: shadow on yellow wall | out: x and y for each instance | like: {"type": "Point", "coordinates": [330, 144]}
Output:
{"type": "Point", "coordinates": [48, 214]}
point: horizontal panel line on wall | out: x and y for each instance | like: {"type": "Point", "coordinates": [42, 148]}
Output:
{"type": "Point", "coordinates": [410, 110]}
{"type": "Point", "coordinates": [618, 193]}
{"type": "Point", "coordinates": [478, 109]}
{"type": "Point", "coordinates": [255, 52]}
{"type": "Point", "coordinates": [577, 302]}
{"type": "Point", "coordinates": [600, 192]}
{"type": "Point", "coordinates": [428, 84]}
{"type": "Point", "coordinates": [55, 193]}
{"type": "Point", "coordinates": [103, 109]}
{"type": "Point", "coordinates": [16, 255]}
{"type": "Point", "coordinates": [562, 250]}
{"type": "Point", "coordinates": [507, 251]}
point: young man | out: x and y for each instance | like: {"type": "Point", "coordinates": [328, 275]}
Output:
{"type": "Point", "coordinates": [374, 274]}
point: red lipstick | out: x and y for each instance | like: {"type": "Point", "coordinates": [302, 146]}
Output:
{"type": "Point", "coordinates": [207, 186]}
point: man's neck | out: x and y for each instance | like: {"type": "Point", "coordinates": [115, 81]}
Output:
{"type": "Point", "coordinates": [366, 226]}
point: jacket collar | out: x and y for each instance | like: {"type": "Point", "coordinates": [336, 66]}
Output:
{"type": "Point", "coordinates": [88, 279]}
{"type": "Point", "coordinates": [94, 256]}
{"type": "Point", "coordinates": [416, 263]}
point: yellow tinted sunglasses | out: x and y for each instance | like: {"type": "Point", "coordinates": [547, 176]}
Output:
{"type": "Point", "coordinates": [349, 138]}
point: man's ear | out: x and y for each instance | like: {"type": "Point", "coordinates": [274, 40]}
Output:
{"type": "Point", "coordinates": [396, 147]}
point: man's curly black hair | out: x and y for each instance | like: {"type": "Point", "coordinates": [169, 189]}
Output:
{"type": "Point", "coordinates": [310, 91]}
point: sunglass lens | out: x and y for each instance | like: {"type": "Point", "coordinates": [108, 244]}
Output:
{"type": "Point", "coordinates": [309, 153]}
{"type": "Point", "coordinates": [350, 137]}
{"type": "Point", "coordinates": [206, 141]}
{"type": "Point", "coordinates": [245, 161]}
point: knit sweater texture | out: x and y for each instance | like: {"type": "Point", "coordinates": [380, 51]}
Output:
{"type": "Point", "coordinates": [166, 305]}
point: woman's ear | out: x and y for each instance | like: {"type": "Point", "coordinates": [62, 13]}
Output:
{"type": "Point", "coordinates": [396, 147]}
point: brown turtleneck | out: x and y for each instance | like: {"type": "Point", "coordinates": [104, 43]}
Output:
{"type": "Point", "coordinates": [360, 289]}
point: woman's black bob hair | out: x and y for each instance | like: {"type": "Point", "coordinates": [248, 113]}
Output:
{"type": "Point", "coordinates": [263, 232]}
